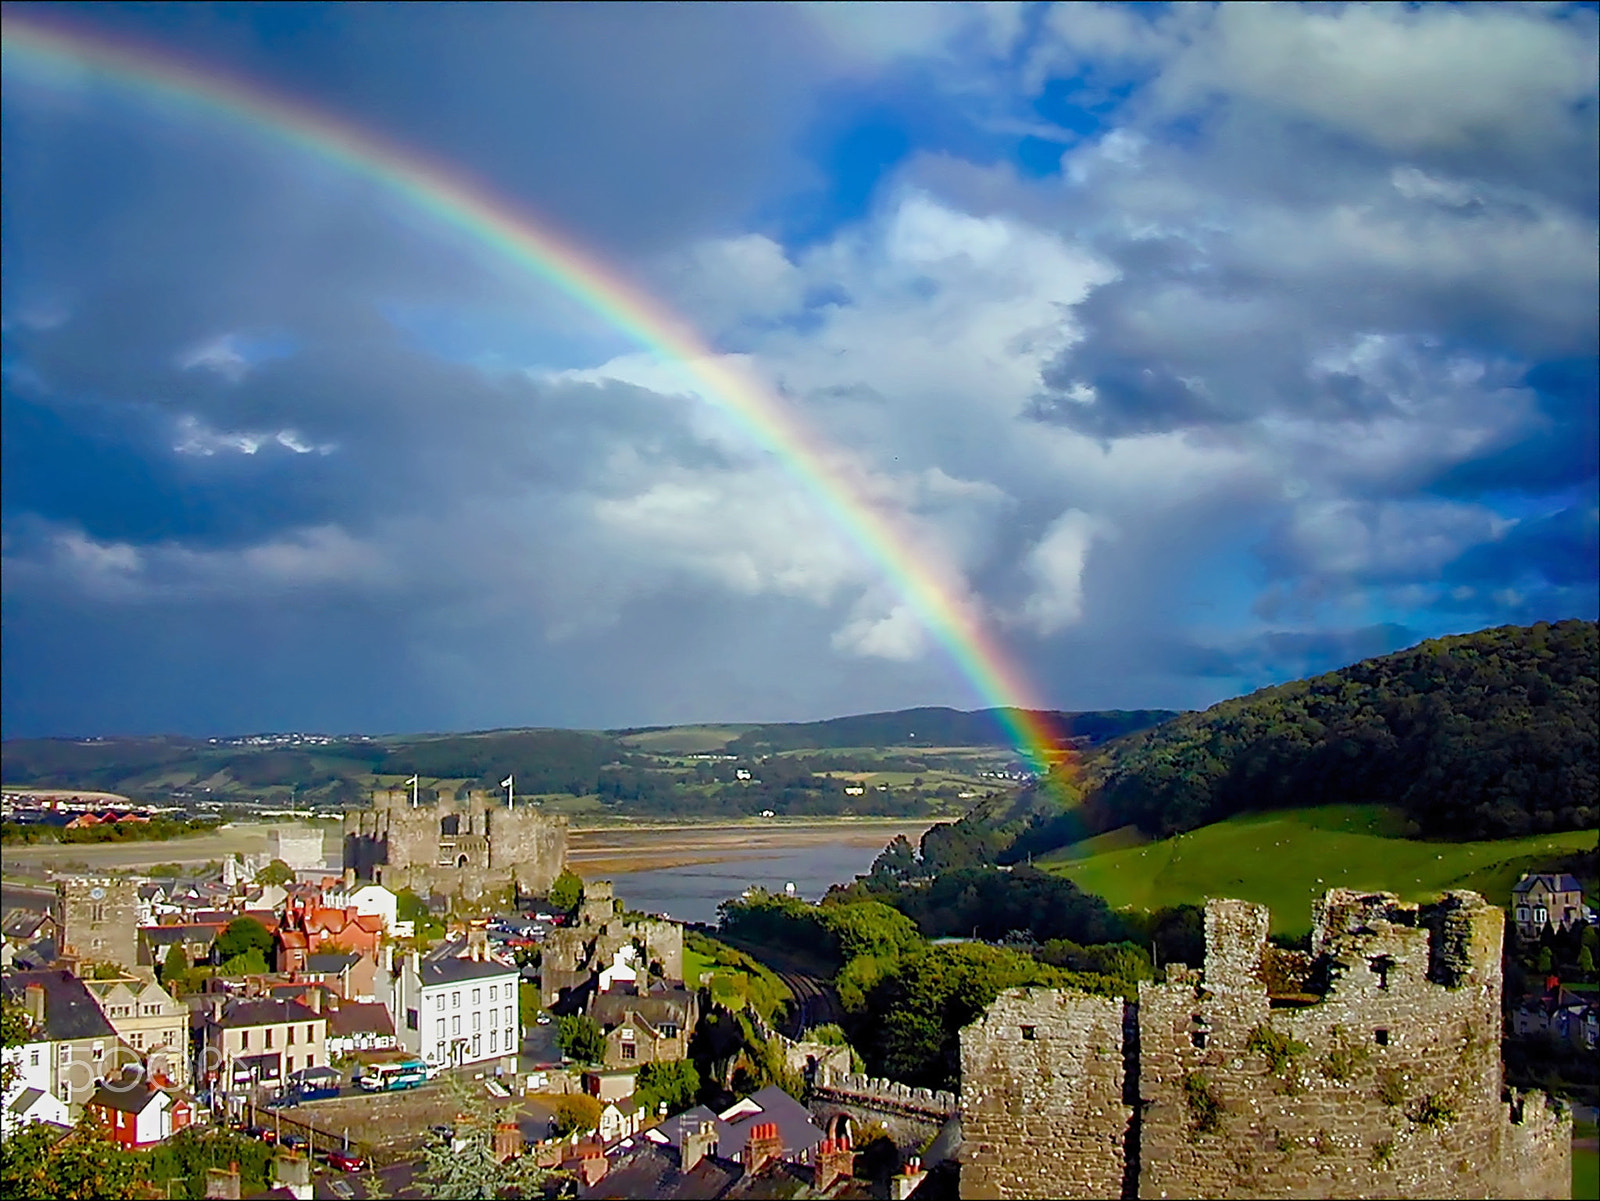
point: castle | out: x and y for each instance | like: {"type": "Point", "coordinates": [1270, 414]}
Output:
{"type": "Point", "coordinates": [574, 956]}
{"type": "Point", "coordinates": [465, 848]}
{"type": "Point", "coordinates": [1366, 1067]}
{"type": "Point", "coordinates": [97, 921]}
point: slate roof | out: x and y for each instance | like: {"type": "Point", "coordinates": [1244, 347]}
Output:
{"type": "Point", "coordinates": [442, 967]}
{"type": "Point", "coordinates": [354, 1017]}
{"type": "Point", "coordinates": [237, 1014]}
{"type": "Point", "coordinates": [799, 1133]}
{"type": "Point", "coordinates": [333, 963]}
{"type": "Point", "coordinates": [69, 1011]}
{"type": "Point", "coordinates": [133, 1099]}
{"type": "Point", "coordinates": [1553, 881]}
{"type": "Point", "coordinates": [611, 1009]}
{"type": "Point", "coordinates": [648, 1169]}
{"type": "Point", "coordinates": [25, 1100]}
{"type": "Point", "coordinates": [23, 924]}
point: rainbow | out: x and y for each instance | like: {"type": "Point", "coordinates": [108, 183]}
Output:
{"type": "Point", "coordinates": [453, 201]}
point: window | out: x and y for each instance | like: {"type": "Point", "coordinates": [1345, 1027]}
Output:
{"type": "Point", "coordinates": [66, 1053]}
{"type": "Point", "coordinates": [476, 1046]}
{"type": "Point", "coordinates": [493, 1038]}
{"type": "Point", "coordinates": [630, 1051]}
{"type": "Point", "coordinates": [33, 1058]}
{"type": "Point", "coordinates": [99, 1050]}
{"type": "Point", "coordinates": [491, 992]}
{"type": "Point", "coordinates": [511, 1039]}
{"type": "Point", "coordinates": [455, 999]}
{"type": "Point", "coordinates": [477, 1020]}
{"type": "Point", "coordinates": [1029, 1033]}
{"type": "Point", "coordinates": [477, 996]}
{"type": "Point", "coordinates": [1381, 1037]}
{"type": "Point", "coordinates": [439, 1030]}
{"type": "Point", "coordinates": [668, 1030]}
{"type": "Point", "coordinates": [291, 1063]}
{"type": "Point", "coordinates": [310, 1037]}
{"type": "Point", "coordinates": [269, 1038]}
{"type": "Point", "coordinates": [244, 1039]}
{"type": "Point", "coordinates": [138, 1039]}
{"type": "Point", "coordinates": [291, 1036]}
{"type": "Point", "coordinates": [97, 913]}
{"type": "Point", "coordinates": [1199, 1038]}
{"type": "Point", "coordinates": [1380, 968]}
{"type": "Point", "coordinates": [455, 1024]}
{"type": "Point", "coordinates": [1522, 913]}
{"type": "Point", "coordinates": [438, 1000]}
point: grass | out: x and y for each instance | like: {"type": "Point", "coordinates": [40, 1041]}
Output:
{"type": "Point", "coordinates": [1585, 1172]}
{"type": "Point", "coordinates": [1283, 859]}
{"type": "Point", "coordinates": [684, 740]}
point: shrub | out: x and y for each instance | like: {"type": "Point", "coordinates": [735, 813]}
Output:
{"type": "Point", "coordinates": [1205, 1107]}
{"type": "Point", "coordinates": [1433, 1112]}
{"type": "Point", "coordinates": [1383, 1153]}
{"type": "Point", "coordinates": [1279, 1050]}
{"type": "Point", "coordinates": [1391, 1088]}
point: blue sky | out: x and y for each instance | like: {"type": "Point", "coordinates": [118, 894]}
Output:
{"type": "Point", "coordinates": [1198, 348]}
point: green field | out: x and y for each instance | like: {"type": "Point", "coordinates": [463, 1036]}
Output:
{"type": "Point", "coordinates": [1285, 858]}
{"type": "Point", "coordinates": [1585, 1172]}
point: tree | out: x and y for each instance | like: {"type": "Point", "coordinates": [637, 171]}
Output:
{"type": "Point", "coordinates": [1546, 962]}
{"type": "Point", "coordinates": [464, 1168]}
{"type": "Point", "coordinates": [677, 1083]}
{"type": "Point", "coordinates": [83, 1165]}
{"type": "Point", "coordinates": [175, 968]}
{"type": "Point", "coordinates": [567, 891]}
{"type": "Point", "coordinates": [243, 934]}
{"type": "Point", "coordinates": [580, 1037]}
{"type": "Point", "coordinates": [16, 1029]}
{"type": "Point", "coordinates": [576, 1112]}
{"type": "Point", "coordinates": [1586, 961]}
{"type": "Point", "coordinates": [250, 963]}
{"type": "Point", "coordinates": [276, 872]}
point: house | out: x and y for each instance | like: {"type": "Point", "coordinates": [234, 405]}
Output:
{"type": "Point", "coordinates": [795, 1136]}
{"type": "Point", "coordinates": [145, 1016]}
{"type": "Point", "coordinates": [341, 929]}
{"type": "Point", "coordinates": [653, 1028]}
{"type": "Point", "coordinates": [1559, 1013]}
{"type": "Point", "coordinates": [457, 1004]}
{"type": "Point", "coordinates": [195, 939]}
{"type": "Point", "coordinates": [1547, 898]}
{"type": "Point", "coordinates": [138, 1113]}
{"type": "Point", "coordinates": [354, 977]}
{"type": "Point", "coordinates": [74, 1038]}
{"type": "Point", "coordinates": [290, 950]}
{"type": "Point", "coordinates": [31, 1097]}
{"type": "Point", "coordinates": [354, 1026]}
{"type": "Point", "coordinates": [374, 900]}
{"type": "Point", "coordinates": [247, 1044]}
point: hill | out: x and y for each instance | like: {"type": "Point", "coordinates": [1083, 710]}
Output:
{"type": "Point", "coordinates": [911, 764]}
{"type": "Point", "coordinates": [1486, 735]}
{"type": "Point", "coordinates": [1283, 859]}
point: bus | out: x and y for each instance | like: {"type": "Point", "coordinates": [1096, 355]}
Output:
{"type": "Point", "coordinates": [392, 1077]}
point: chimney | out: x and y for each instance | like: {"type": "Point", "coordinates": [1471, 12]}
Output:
{"type": "Point", "coordinates": [592, 1164]}
{"type": "Point", "coordinates": [293, 1172]}
{"type": "Point", "coordinates": [507, 1141]}
{"type": "Point", "coordinates": [697, 1144]}
{"type": "Point", "coordinates": [314, 999]}
{"type": "Point", "coordinates": [905, 1183]}
{"type": "Point", "coordinates": [34, 1003]}
{"type": "Point", "coordinates": [834, 1160]}
{"type": "Point", "coordinates": [222, 1184]}
{"type": "Point", "coordinates": [760, 1145]}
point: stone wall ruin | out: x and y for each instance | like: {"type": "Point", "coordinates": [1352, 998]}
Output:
{"type": "Point", "coordinates": [1368, 1067]}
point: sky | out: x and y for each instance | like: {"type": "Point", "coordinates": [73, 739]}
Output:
{"type": "Point", "coordinates": [1194, 349]}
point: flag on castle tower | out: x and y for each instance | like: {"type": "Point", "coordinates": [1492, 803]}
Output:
{"type": "Point", "coordinates": [506, 783]}
{"type": "Point", "coordinates": [414, 780]}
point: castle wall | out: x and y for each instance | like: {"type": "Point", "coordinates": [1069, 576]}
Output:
{"type": "Point", "coordinates": [1042, 1112]}
{"type": "Point", "coordinates": [1367, 1068]}
{"type": "Point", "coordinates": [466, 848]}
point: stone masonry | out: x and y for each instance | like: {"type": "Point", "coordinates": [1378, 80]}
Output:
{"type": "Point", "coordinates": [98, 920]}
{"type": "Point", "coordinates": [573, 956]}
{"type": "Point", "coordinates": [1369, 1067]}
{"type": "Point", "coordinates": [465, 848]}
{"type": "Point", "coordinates": [1042, 1112]}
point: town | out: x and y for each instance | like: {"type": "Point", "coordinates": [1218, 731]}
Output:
{"type": "Point", "coordinates": [457, 991]}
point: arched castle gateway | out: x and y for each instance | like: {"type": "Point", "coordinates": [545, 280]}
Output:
{"type": "Point", "coordinates": [456, 847]}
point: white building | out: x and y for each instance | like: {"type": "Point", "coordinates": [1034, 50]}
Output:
{"type": "Point", "coordinates": [376, 899]}
{"type": "Point", "coordinates": [453, 1008]}
{"type": "Point", "coordinates": [30, 1097]}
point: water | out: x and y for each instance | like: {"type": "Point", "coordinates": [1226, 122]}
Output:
{"type": "Point", "coordinates": [692, 893]}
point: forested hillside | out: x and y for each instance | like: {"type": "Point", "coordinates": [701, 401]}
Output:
{"type": "Point", "coordinates": [1484, 735]}
{"type": "Point", "coordinates": [941, 727]}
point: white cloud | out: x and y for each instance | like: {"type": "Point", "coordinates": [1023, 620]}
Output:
{"type": "Point", "coordinates": [223, 355]}
{"type": "Point", "coordinates": [196, 438]}
{"type": "Point", "coordinates": [1056, 564]}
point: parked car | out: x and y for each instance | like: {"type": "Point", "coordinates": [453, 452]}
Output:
{"type": "Point", "coordinates": [346, 1161]}
{"type": "Point", "coordinates": [265, 1133]}
{"type": "Point", "coordinates": [293, 1142]}
{"type": "Point", "coordinates": [544, 1017]}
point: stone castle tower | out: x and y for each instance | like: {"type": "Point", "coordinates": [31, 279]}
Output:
{"type": "Point", "coordinates": [97, 920]}
{"type": "Point", "coordinates": [1368, 1067]}
{"type": "Point", "coordinates": [457, 847]}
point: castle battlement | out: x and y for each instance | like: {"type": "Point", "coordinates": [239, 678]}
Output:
{"type": "Point", "coordinates": [465, 847]}
{"type": "Point", "coordinates": [1369, 1066]}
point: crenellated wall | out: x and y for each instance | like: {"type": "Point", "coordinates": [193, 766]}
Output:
{"type": "Point", "coordinates": [466, 847]}
{"type": "Point", "coordinates": [1369, 1067]}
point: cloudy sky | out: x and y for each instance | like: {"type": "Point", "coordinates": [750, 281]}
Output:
{"type": "Point", "coordinates": [1195, 349]}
